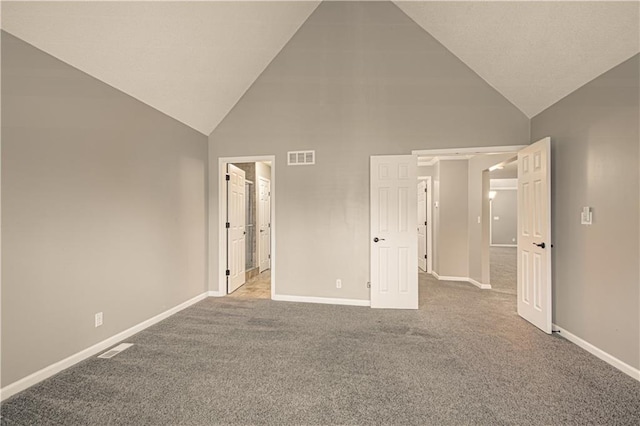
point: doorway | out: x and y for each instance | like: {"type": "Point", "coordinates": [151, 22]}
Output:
{"type": "Point", "coordinates": [246, 229]}
{"type": "Point", "coordinates": [503, 227]}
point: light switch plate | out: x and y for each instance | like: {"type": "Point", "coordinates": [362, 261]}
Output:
{"type": "Point", "coordinates": [586, 217]}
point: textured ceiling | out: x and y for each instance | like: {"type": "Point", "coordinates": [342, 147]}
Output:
{"type": "Point", "coordinates": [533, 53]}
{"type": "Point", "coordinates": [191, 60]}
{"type": "Point", "coordinates": [195, 60]}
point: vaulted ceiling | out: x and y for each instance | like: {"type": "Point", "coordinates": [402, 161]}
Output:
{"type": "Point", "coordinates": [195, 60]}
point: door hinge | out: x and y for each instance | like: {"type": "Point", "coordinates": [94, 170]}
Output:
{"type": "Point", "coordinates": [269, 225]}
{"type": "Point", "coordinates": [425, 223]}
{"type": "Point", "coordinates": [425, 190]}
{"type": "Point", "coordinates": [227, 272]}
{"type": "Point", "coordinates": [425, 256]}
{"type": "Point", "coordinates": [227, 225]}
{"type": "Point", "coordinates": [227, 176]}
{"type": "Point", "coordinates": [269, 256]}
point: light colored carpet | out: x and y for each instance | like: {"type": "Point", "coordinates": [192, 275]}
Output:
{"type": "Point", "coordinates": [465, 357]}
{"type": "Point", "coordinates": [503, 269]}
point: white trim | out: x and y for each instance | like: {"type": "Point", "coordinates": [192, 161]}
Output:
{"type": "Point", "coordinates": [434, 160]}
{"type": "Point", "coordinates": [57, 367]}
{"type": "Point", "coordinates": [504, 245]}
{"type": "Point", "coordinates": [211, 293]}
{"type": "Point", "coordinates": [324, 300]}
{"type": "Point", "coordinates": [479, 284]}
{"type": "Point", "coordinates": [429, 226]}
{"type": "Point", "coordinates": [462, 279]}
{"type": "Point", "coordinates": [222, 203]}
{"type": "Point", "coordinates": [476, 150]}
{"type": "Point", "coordinates": [606, 357]}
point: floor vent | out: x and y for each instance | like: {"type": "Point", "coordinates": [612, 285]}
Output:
{"type": "Point", "coordinates": [300, 158]}
{"type": "Point", "coordinates": [115, 351]}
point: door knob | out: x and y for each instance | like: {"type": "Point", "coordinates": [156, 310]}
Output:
{"type": "Point", "coordinates": [541, 245]}
{"type": "Point", "coordinates": [376, 239]}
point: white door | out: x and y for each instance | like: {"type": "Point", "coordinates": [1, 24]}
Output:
{"type": "Point", "coordinates": [236, 232]}
{"type": "Point", "coordinates": [264, 215]}
{"type": "Point", "coordinates": [394, 236]}
{"type": "Point", "coordinates": [422, 225]}
{"type": "Point", "coordinates": [534, 234]}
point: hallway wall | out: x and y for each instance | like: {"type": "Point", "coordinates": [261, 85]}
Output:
{"type": "Point", "coordinates": [358, 79]}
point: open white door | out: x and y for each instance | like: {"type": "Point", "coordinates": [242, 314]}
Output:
{"type": "Point", "coordinates": [534, 234]}
{"type": "Point", "coordinates": [264, 217]}
{"type": "Point", "coordinates": [422, 225]}
{"type": "Point", "coordinates": [394, 239]}
{"type": "Point", "coordinates": [236, 232]}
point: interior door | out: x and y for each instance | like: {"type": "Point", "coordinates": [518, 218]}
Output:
{"type": "Point", "coordinates": [265, 223]}
{"type": "Point", "coordinates": [534, 234]}
{"type": "Point", "coordinates": [236, 232]}
{"type": "Point", "coordinates": [394, 237]}
{"type": "Point", "coordinates": [422, 225]}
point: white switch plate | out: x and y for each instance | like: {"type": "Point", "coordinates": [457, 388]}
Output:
{"type": "Point", "coordinates": [586, 217]}
{"type": "Point", "coordinates": [98, 319]}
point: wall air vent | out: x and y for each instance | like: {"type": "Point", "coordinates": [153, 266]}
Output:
{"type": "Point", "coordinates": [115, 351]}
{"type": "Point", "coordinates": [301, 158]}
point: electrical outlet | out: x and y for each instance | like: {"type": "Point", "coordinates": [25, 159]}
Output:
{"type": "Point", "coordinates": [98, 319]}
{"type": "Point", "coordinates": [338, 283]}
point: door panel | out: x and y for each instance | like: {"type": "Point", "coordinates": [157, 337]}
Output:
{"type": "Point", "coordinates": [236, 232]}
{"type": "Point", "coordinates": [534, 239]}
{"type": "Point", "coordinates": [265, 223]}
{"type": "Point", "coordinates": [394, 237]}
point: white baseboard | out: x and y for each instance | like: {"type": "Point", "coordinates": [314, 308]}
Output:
{"type": "Point", "coordinates": [57, 367]}
{"type": "Point", "coordinates": [216, 293]}
{"type": "Point", "coordinates": [606, 357]}
{"type": "Point", "coordinates": [479, 284]}
{"type": "Point", "coordinates": [462, 279]}
{"type": "Point", "coordinates": [325, 300]}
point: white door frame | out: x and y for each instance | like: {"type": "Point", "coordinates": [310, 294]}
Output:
{"type": "Point", "coordinates": [222, 213]}
{"type": "Point", "coordinates": [429, 230]}
{"type": "Point", "coordinates": [461, 154]}
{"type": "Point", "coordinates": [259, 236]}
{"type": "Point", "coordinates": [429, 227]}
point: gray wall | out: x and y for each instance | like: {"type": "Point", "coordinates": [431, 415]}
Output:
{"type": "Point", "coordinates": [595, 136]}
{"type": "Point", "coordinates": [357, 79]}
{"type": "Point", "coordinates": [504, 230]}
{"type": "Point", "coordinates": [453, 230]}
{"type": "Point", "coordinates": [103, 209]}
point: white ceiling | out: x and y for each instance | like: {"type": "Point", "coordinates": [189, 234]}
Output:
{"type": "Point", "coordinates": [534, 53]}
{"type": "Point", "coordinates": [191, 60]}
{"type": "Point", "coordinates": [195, 60]}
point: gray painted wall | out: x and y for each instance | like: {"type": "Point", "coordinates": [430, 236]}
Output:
{"type": "Point", "coordinates": [504, 206]}
{"type": "Point", "coordinates": [358, 79]}
{"type": "Point", "coordinates": [103, 210]}
{"type": "Point", "coordinates": [595, 161]}
{"type": "Point", "coordinates": [453, 230]}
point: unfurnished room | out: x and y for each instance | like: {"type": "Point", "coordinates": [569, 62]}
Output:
{"type": "Point", "coordinates": [320, 212]}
